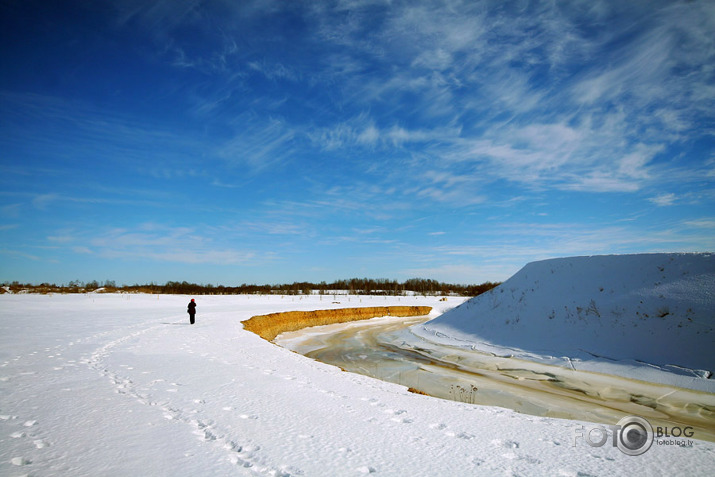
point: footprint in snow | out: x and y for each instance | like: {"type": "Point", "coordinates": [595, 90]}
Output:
{"type": "Point", "coordinates": [233, 446]}
{"type": "Point", "coordinates": [40, 443]}
{"type": "Point", "coordinates": [366, 469]}
{"type": "Point", "coordinates": [205, 434]}
{"type": "Point", "coordinates": [235, 460]}
{"type": "Point", "coordinates": [505, 444]}
{"type": "Point", "coordinates": [403, 421]}
{"type": "Point", "coordinates": [373, 402]}
{"type": "Point", "coordinates": [19, 461]}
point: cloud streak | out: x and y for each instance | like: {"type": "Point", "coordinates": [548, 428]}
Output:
{"type": "Point", "coordinates": [158, 243]}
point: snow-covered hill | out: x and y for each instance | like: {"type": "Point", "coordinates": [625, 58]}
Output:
{"type": "Point", "coordinates": [649, 316]}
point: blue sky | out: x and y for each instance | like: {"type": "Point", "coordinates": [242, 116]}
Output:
{"type": "Point", "coordinates": [275, 141]}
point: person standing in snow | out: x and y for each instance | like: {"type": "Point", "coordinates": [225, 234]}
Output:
{"type": "Point", "coordinates": [191, 310]}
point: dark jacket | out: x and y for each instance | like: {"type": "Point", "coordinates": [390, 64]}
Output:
{"type": "Point", "coordinates": [192, 308]}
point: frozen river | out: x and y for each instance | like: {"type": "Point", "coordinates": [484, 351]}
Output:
{"type": "Point", "coordinates": [383, 348]}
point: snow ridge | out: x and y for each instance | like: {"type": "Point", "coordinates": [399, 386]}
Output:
{"type": "Point", "coordinates": [649, 316]}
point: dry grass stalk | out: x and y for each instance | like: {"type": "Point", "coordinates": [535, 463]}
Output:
{"type": "Point", "coordinates": [271, 325]}
{"type": "Point", "coordinates": [417, 391]}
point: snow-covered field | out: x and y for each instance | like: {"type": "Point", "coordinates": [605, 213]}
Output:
{"type": "Point", "coordinates": [121, 385]}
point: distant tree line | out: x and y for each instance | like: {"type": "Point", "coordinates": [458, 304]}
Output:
{"type": "Point", "coordinates": [353, 286]}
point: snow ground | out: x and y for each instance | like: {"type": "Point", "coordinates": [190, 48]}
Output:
{"type": "Point", "coordinates": [118, 385]}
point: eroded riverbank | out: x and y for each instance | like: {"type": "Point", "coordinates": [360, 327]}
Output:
{"type": "Point", "coordinates": [271, 325]}
{"type": "Point", "coordinates": [378, 348]}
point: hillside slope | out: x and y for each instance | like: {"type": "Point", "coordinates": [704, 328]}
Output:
{"type": "Point", "coordinates": [650, 316]}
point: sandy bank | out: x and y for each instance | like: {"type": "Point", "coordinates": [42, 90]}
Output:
{"type": "Point", "coordinates": [271, 325]}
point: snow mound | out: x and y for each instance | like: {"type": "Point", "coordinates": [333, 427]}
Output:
{"type": "Point", "coordinates": [646, 316]}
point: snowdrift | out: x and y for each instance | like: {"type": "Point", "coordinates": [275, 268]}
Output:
{"type": "Point", "coordinates": [646, 316]}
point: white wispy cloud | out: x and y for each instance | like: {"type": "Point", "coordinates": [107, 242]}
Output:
{"type": "Point", "coordinates": [18, 254]}
{"type": "Point", "coordinates": [77, 132]}
{"type": "Point", "coordinates": [60, 239]}
{"type": "Point", "coordinates": [274, 71]}
{"type": "Point", "coordinates": [702, 223]}
{"type": "Point", "coordinates": [156, 242]}
{"type": "Point", "coordinates": [261, 145]}
{"type": "Point", "coordinates": [663, 200]}
{"type": "Point", "coordinates": [362, 130]}
{"type": "Point", "coordinates": [11, 210]}
{"type": "Point", "coordinates": [277, 227]}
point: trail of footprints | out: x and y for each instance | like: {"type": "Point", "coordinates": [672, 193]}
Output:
{"type": "Point", "coordinates": [206, 430]}
{"type": "Point", "coordinates": [507, 449]}
{"type": "Point", "coordinates": [28, 430]}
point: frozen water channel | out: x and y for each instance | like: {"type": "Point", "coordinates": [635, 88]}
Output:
{"type": "Point", "coordinates": [383, 348]}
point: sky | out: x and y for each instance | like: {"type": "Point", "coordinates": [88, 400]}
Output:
{"type": "Point", "coordinates": [227, 142]}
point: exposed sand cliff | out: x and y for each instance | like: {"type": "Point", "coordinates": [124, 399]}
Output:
{"type": "Point", "coordinates": [271, 325]}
